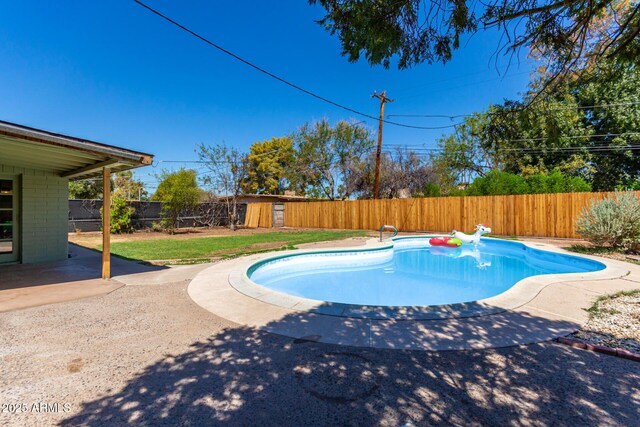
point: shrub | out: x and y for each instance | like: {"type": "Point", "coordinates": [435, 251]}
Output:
{"type": "Point", "coordinates": [497, 183]}
{"type": "Point", "coordinates": [121, 213]}
{"type": "Point", "coordinates": [614, 221]}
{"type": "Point", "coordinates": [178, 191]}
{"type": "Point", "coordinates": [430, 189]}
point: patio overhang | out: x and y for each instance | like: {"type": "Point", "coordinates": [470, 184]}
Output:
{"type": "Point", "coordinates": [72, 158]}
{"type": "Point", "coordinates": [66, 156]}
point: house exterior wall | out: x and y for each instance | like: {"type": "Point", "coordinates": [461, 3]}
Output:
{"type": "Point", "coordinates": [44, 210]}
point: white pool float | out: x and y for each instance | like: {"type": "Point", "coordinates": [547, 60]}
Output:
{"type": "Point", "coordinates": [474, 238]}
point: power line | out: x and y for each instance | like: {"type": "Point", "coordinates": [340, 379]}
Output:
{"type": "Point", "coordinates": [457, 116]}
{"type": "Point", "coordinates": [573, 137]}
{"type": "Point", "coordinates": [423, 147]}
{"type": "Point", "coordinates": [280, 79]}
{"type": "Point", "coordinates": [603, 148]}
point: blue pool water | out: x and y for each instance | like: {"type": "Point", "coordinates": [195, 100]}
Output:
{"type": "Point", "coordinates": [412, 273]}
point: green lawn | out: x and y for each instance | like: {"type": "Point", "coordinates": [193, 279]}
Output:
{"type": "Point", "coordinates": [204, 248]}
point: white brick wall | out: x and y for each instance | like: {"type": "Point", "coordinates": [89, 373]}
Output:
{"type": "Point", "coordinates": [44, 209]}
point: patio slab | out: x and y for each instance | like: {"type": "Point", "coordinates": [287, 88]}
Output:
{"type": "Point", "coordinates": [32, 285]}
{"type": "Point", "coordinates": [33, 296]}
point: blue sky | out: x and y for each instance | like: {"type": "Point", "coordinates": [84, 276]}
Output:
{"type": "Point", "coordinates": [115, 73]}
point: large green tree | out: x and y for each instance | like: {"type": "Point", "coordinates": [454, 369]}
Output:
{"type": "Point", "coordinates": [465, 153]}
{"type": "Point", "coordinates": [269, 166]}
{"type": "Point", "coordinates": [127, 187]}
{"type": "Point", "coordinates": [85, 189]}
{"type": "Point", "coordinates": [328, 157]}
{"type": "Point", "coordinates": [123, 184]}
{"type": "Point", "coordinates": [569, 34]}
{"type": "Point", "coordinates": [615, 126]}
{"type": "Point", "coordinates": [588, 127]}
{"type": "Point", "coordinates": [178, 192]}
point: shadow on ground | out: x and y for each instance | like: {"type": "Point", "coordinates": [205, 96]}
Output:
{"type": "Point", "coordinates": [243, 376]}
{"type": "Point", "coordinates": [83, 264]}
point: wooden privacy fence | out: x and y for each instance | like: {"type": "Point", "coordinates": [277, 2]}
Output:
{"type": "Point", "coordinates": [547, 215]}
{"type": "Point", "coordinates": [258, 215]}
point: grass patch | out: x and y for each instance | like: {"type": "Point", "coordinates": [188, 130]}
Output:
{"type": "Point", "coordinates": [597, 311]}
{"type": "Point", "coordinates": [200, 248]}
{"type": "Point", "coordinates": [605, 251]}
{"type": "Point", "coordinates": [592, 250]}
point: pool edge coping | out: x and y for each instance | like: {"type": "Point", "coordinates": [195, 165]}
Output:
{"type": "Point", "coordinates": [552, 313]}
{"type": "Point", "coordinates": [516, 296]}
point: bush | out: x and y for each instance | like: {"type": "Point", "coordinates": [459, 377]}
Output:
{"type": "Point", "coordinates": [497, 183]}
{"type": "Point", "coordinates": [614, 221]}
{"type": "Point", "coordinates": [178, 191]}
{"type": "Point", "coordinates": [556, 182]}
{"type": "Point", "coordinates": [121, 214]}
{"type": "Point", "coordinates": [430, 189]}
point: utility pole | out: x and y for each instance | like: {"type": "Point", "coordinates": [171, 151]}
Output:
{"type": "Point", "coordinates": [383, 100]}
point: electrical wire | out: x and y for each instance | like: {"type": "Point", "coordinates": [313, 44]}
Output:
{"type": "Point", "coordinates": [456, 116]}
{"type": "Point", "coordinates": [281, 79]}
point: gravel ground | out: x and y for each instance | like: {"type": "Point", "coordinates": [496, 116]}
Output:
{"type": "Point", "coordinates": [616, 324]}
{"type": "Point", "coordinates": [147, 355]}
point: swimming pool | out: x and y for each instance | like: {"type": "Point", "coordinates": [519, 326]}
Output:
{"type": "Point", "coordinates": [412, 273]}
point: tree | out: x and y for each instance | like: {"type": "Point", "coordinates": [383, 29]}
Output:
{"type": "Point", "coordinates": [178, 191]}
{"type": "Point", "coordinates": [403, 173]}
{"type": "Point", "coordinates": [569, 34]}
{"type": "Point", "coordinates": [614, 157]}
{"type": "Point", "coordinates": [127, 187]}
{"type": "Point", "coordinates": [123, 184]}
{"type": "Point", "coordinates": [85, 189]}
{"type": "Point", "coordinates": [268, 166]}
{"type": "Point", "coordinates": [464, 154]}
{"type": "Point", "coordinates": [541, 135]}
{"type": "Point", "coordinates": [227, 170]}
{"type": "Point", "coordinates": [328, 157]}
{"type": "Point", "coordinates": [587, 128]}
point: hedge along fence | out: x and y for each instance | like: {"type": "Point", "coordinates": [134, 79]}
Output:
{"type": "Point", "coordinates": [544, 215]}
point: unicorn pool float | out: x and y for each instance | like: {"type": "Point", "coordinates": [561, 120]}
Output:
{"type": "Point", "coordinates": [457, 238]}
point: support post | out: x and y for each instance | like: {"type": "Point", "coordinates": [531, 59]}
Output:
{"type": "Point", "coordinates": [106, 223]}
{"type": "Point", "coordinates": [376, 182]}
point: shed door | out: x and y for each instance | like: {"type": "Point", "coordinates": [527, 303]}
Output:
{"type": "Point", "coordinates": [9, 251]}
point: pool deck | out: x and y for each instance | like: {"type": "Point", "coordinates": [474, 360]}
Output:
{"type": "Point", "coordinates": [536, 309]}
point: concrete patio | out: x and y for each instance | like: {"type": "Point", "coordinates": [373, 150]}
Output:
{"type": "Point", "coordinates": [147, 354]}
{"type": "Point", "coordinates": [78, 277]}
